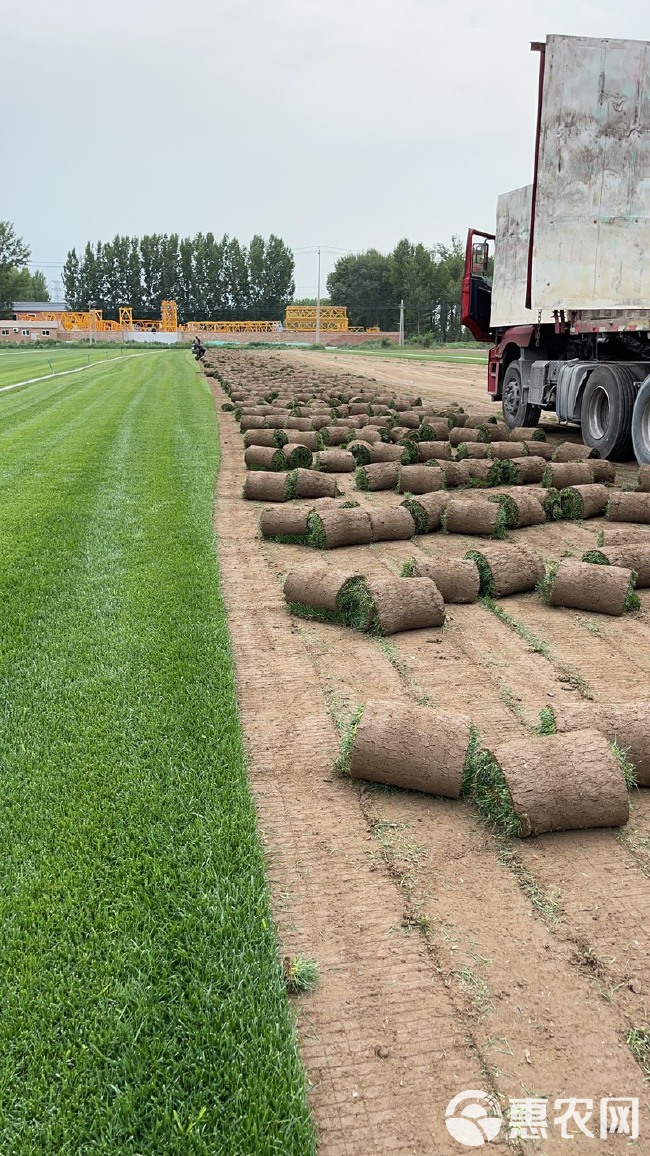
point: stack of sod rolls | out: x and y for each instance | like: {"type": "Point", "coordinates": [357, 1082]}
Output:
{"type": "Point", "coordinates": [380, 606]}
{"type": "Point", "coordinates": [457, 579]}
{"type": "Point", "coordinates": [583, 586]}
{"type": "Point", "coordinates": [633, 556]}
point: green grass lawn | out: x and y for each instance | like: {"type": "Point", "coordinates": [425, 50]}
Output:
{"type": "Point", "coordinates": [24, 364]}
{"type": "Point", "coordinates": [142, 1006]}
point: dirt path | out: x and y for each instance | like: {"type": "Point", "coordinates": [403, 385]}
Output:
{"type": "Point", "coordinates": [450, 959]}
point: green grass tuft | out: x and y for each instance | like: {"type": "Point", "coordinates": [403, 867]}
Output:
{"type": "Point", "coordinates": [501, 528]}
{"type": "Point", "coordinates": [552, 504]}
{"type": "Point", "coordinates": [355, 607]}
{"type": "Point", "coordinates": [629, 773]}
{"type": "Point", "coordinates": [596, 557]}
{"type": "Point", "coordinates": [410, 453]}
{"type": "Point", "coordinates": [509, 507]}
{"type": "Point", "coordinates": [638, 1041]}
{"type": "Point", "coordinates": [361, 454]}
{"type": "Point", "coordinates": [228, 407]}
{"type": "Point", "coordinates": [290, 487]}
{"type": "Point", "coordinates": [301, 610]}
{"type": "Point", "coordinates": [571, 504]}
{"type": "Point", "coordinates": [545, 584]}
{"type": "Point", "coordinates": [301, 974]}
{"type": "Point", "coordinates": [546, 721]}
{"type": "Point", "coordinates": [350, 505]}
{"type": "Point", "coordinates": [632, 600]}
{"type": "Point", "coordinates": [484, 783]}
{"type": "Point", "coordinates": [316, 532]}
{"type": "Point", "coordinates": [486, 580]}
{"type": "Point", "coordinates": [342, 763]}
{"type": "Point", "coordinates": [426, 433]}
{"type": "Point", "coordinates": [418, 514]}
{"type": "Point", "coordinates": [408, 569]}
{"type": "Point", "coordinates": [361, 478]}
{"type": "Point", "coordinates": [280, 439]}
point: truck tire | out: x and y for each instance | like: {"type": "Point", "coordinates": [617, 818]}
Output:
{"type": "Point", "coordinates": [516, 410]}
{"type": "Point", "coordinates": [606, 411]}
{"type": "Point", "coordinates": [641, 424]}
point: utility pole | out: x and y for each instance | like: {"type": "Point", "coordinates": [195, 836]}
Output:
{"type": "Point", "coordinates": [318, 302]}
{"type": "Point", "coordinates": [401, 322]}
{"type": "Point", "coordinates": [90, 325]}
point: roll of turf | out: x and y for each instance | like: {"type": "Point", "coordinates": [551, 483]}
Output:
{"type": "Point", "coordinates": [634, 556]}
{"type": "Point", "coordinates": [527, 435]}
{"type": "Point", "coordinates": [335, 435]}
{"type": "Point", "coordinates": [583, 586]}
{"type": "Point", "coordinates": [394, 524]}
{"type": "Point", "coordinates": [627, 724]}
{"type": "Point", "coordinates": [316, 586]}
{"type": "Point", "coordinates": [457, 579]}
{"type": "Point", "coordinates": [477, 472]}
{"type": "Point", "coordinates": [526, 470]}
{"type": "Point", "coordinates": [392, 745]}
{"type": "Point", "coordinates": [285, 522]}
{"type": "Point", "coordinates": [504, 450]}
{"type": "Point", "coordinates": [335, 462]}
{"type": "Point", "coordinates": [453, 473]}
{"type": "Point", "coordinates": [310, 484]}
{"type": "Point", "coordinates": [479, 517]}
{"type": "Point", "coordinates": [419, 480]}
{"type": "Point", "coordinates": [409, 452]}
{"type": "Point", "coordinates": [563, 474]}
{"type": "Point", "coordinates": [381, 452]}
{"type": "Point", "coordinates": [520, 509]}
{"type": "Point", "coordinates": [472, 450]}
{"type": "Point", "coordinates": [463, 434]}
{"type": "Point", "coordinates": [292, 457]}
{"type": "Point", "coordinates": [506, 569]}
{"type": "Point", "coordinates": [494, 432]}
{"type": "Point", "coordinates": [433, 431]}
{"type": "Point", "coordinates": [265, 437]}
{"type": "Point", "coordinates": [428, 450]}
{"type": "Point", "coordinates": [261, 486]}
{"type": "Point", "coordinates": [405, 604]}
{"type": "Point", "coordinates": [252, 422]}
{"type": "Point", "coordinates": [643, 484]}
{"type": "Point", "coordinates": [573, 452]}
{"type": "Point", "coordinates": [377, 476]}
{"type": "Point", "coordinates": [427, 511]}
{"type": "Point", "coordinates": [362, 452]}
{"type": "Point", "coordinates": [261, 458]}
{"type": "Point", "coordinates": [580, 502]}
{"type": "Point", "coordinates": [623, 535]}
{"type": "Point", "coordinates": [629, 507]}
{"type": "Point", "coordinates": [339, 527]}
{"type": "Point", "coordinates": [308, 438]}
{"type": "Point", "coordinates": [370, 435]}
{"type": "Point", "coordinates": [561, 782]}
{"type": "Point", "coordinates": [539, 450]}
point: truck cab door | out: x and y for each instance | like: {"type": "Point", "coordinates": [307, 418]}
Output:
{"type": "Point", "coordinates": [477, 290]}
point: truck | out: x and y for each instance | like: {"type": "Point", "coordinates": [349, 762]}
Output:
{"type": "Point", "coordinates": [561, 289]}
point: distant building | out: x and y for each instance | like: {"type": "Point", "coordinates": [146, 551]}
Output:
{"type": "Point", "coordinates": [23, 331]}
{"type": "Point", "coordinates": [30, 310]}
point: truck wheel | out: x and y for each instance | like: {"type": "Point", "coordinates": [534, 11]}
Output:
{"type": "Point", "coordinates": [641, 424]}
{"type": "Point", "coordinates": [516, 411]}
{"type": "Point", "coordinates": [606, 411]}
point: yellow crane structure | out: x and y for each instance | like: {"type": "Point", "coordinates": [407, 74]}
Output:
{"type": "Point", "coordinates": [333, 318]}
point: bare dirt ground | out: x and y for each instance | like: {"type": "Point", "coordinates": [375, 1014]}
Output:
{"type": "Point", "coordinates": [450, 958]}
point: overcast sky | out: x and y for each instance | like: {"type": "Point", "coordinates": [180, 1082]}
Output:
{"type": "Point", "coordinates": [341, 123]}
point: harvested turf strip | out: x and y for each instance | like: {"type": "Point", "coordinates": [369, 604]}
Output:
{"type": "Point", "coordinates": [427, 511]}
{"type": "Point", "coordinates": [563, 474]}
{"type": "Point", "coordinates": [260, 486]}
{"type": "Point", "coordinates": [626, 724]}
{"type": "Point", "coordinates": [362, 452]}
{"type": "Point", "coordinates": [377, 476]}
{"type": "Point", "coordinates": [472, 450]}
{"type": "Point", "coordinates": [339, 527]}
{"type": "Point", "coordinates": [420, 479]}
{"type": "Point", "coordinates": [635, 556]}
{"type": "Point", "coordinates": [395, 524]}
{"type": "Point", "coordinates": [527, 435]}
{"type": "Point", "coordinates": [355, 607]}
{"type": "Point", "coordinates": [520, 509]}
{"type": "Point", "coordinates": [507, 450]}
{"type": "Point", "coordinates": [310, 484]}
{"type": "Point", "coordinates": [316, 585]}
{"type": "Point", "coordinates": [335, 462]}
{"type": "Point", "coordinates": [286, 521]}
{"type": "Point", "coordinates": [573, 452]}
{"type": "Point", "coordinates": [629, 507]}
{"type": "Point", "coordinates": [562, 782]}
{"type": "Point", "coordinates": [428, 450]}
{"type": "Point", "coordinates": [602, 471]}
{"type": "Point", "coordinates": [479, 517]}
{"type": "Point", "coordinates": [580, 502]}
{"type": "Point", "coordinates": [643, 484]}
{"type": "Point", "coordinates": [507, 569]}
{"type": "Point", "coordinates": [392, 744]}
{"type": "Point", "coordinates": [598, 589]}
{"type": "Point", "coordinates": [479, 473]}
{"type": "Point", "coordinates": [262, 458]}
{"type": "Point", "coordinates": [405, 604]}
{"type": "Point", "coordinates": [524, 471]}
{"type": "Point", "coordinates": [409, 452]}
{"type": "Point", "coordinates": [274, 438]}
{"type": "Point", "coordinates": [457, 579]}
{"type": "Point", "coordinates": [292, 457]}
{"type": "Point", "coordinates": [382, 452]}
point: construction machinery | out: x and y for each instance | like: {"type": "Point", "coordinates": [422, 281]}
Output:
{"type": "Point", "coordinates": [566, 308]}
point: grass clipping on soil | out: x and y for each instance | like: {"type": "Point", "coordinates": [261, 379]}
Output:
{"type": "Point", "coordinates": [485, 785]}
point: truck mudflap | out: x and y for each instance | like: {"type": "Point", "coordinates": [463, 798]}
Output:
{"type": "Point", "coordinates": [571, 380]}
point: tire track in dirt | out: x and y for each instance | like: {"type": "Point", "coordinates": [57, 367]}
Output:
{"type": "Point", "coordinates": [383, 1045]}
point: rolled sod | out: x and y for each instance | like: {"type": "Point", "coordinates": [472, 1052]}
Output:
{"type": "Point", "coordinates": [583, 586]}
{"type": "Point", "coordinates": [472, 450]}
{"type": "Point", "coordinates": [287, 521]}
{"type": "Point", "coordinates": [335, 435]}
{"type": "Point", "coordinates": [507, 450]}
{"type": "Point", "coordinates": [317, 586]}
{"type": "Point", "coordinates": [252, 422]}
{"type": "Point", "coordinates": [563, 474]}
{"type": "Point", "coordinates": [310, 484]}
{"type": "Point", "coordinates": [434, 431]}
{"type": "Point", "coordinates": [405, 604]}
{"type": "Point", "coordinates": [308, 438]}
{"type": "Point", "coordinates": [643, 484]}
{"type": "Point", "coordinates": [573, 452]}
{"type": "Point", "coordinates": [520, 509]}
{"type": "Point", "coordinates": [427, 510]}
{"type": "Point", "coordinates": [292, 457]}
{"type": "Point", "coordinates": [262, 486]}
{"type": "Point", "coordinates": [382, 452]}
{"type": "Point", "coordinates": [560, 782]}
{"type": "Point", "coordinates": [539, 450]}
{"type": "Point", "coordinates": [265, 437]}
{"type": "Point", "coordinates": [523, 471]}
{"type": "Point", "coordinates": [409, 452]}
{"type": "Point", "coordinates": [477, 472]}
{"type": "Point", "coordinates": [629, 507]}
{"type": "Point", "coordinates": [494, 432]}
{"type": "Point", "coordinates": [335, 462]}
{"type": "Point", "coordinates": [584, 501]}
{"type": "Point", "coordinates": [602, 471]}
{"type": "Point", "coordinates": [289, 422]}
{"type": "Point", "coordinates": [377, 476]}
{"type": "Point", "coordinates": [370, 435]}
{"type": "Point", "coordinates": [633, 556]}
{"type": "Point", "coordinates": [394, 524]}
{"type": "Point", "coordinates": [419, 480]}
{"type": "Point", "coordinates": [434, 449]}
{"type": "Point", "coordinates": [527, 435]}
{"type": "Point", "coordinates": [410, 420]}
{"type": "Point", "coordinates": [393, 745]}
{"type": "Point", "coordinates": [462, 434]}
{"type": "Point", "coordinates": [457, 579]}
{"type": "Point", "coordinates": [339, 527]}
{"type": "Point", "coordinates": [362, 452]}
{"type": "Point", "coordinates": [626, 724]}
{"type": "Point", "coordinates": [623, 535]}
{"type": "Point", "coordinates": [506, 569]}
{"type": "Point", "coordinates": [262, 458]}
{"type": "Point", "coordinates": [479, 517]}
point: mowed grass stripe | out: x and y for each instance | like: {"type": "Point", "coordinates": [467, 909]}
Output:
{"type": "Point", "coordinates": [21, 364]}
{"type": "Point", "coordinates": [142, 1002]}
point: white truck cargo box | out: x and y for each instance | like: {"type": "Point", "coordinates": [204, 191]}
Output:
{"type": "Point", "coordinates": [591, 246]}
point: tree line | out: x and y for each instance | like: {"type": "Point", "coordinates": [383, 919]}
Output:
{"type": "Point", "coordinates": [16, 281]}
{"type": "Point", "coordinates": [209, 278]}
{"type": "Point", "coordinates": [429, 281]}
